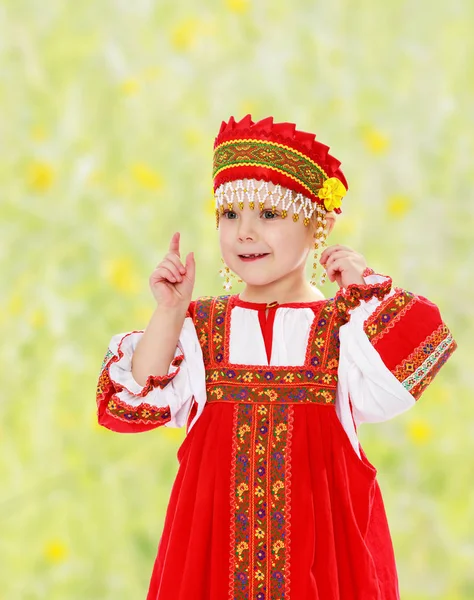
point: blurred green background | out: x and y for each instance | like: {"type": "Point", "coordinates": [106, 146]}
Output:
{"type": "Point", "coordinates": [108, 115]}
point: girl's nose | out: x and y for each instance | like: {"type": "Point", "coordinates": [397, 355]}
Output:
{"type": "Point", "coordinates": [246, 238]}
{"type": "Point", "coordinates": [246, 231]}
{"type": "Point", "coordinates": [246, 235]}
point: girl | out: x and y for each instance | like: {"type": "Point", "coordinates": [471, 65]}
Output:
{"type": "Point", "coordinates": [274, 497]}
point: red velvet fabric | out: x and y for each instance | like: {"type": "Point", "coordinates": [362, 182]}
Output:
{"type": "Point", "coordinates": [340, 542]}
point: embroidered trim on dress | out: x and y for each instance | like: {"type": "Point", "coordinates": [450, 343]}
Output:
{"type": "Point", "coordinates": [316, 381]}
{"type": "Point", "coordinates": [233, 556]}
{"type": "Point", "coordinates": [306, 395]}
{"type": "Point", "coordinates": [260, 566]}
{"type": "Point", "coordinates": [288, 475]}
{"type": "Point", "coordinates": [348, 298]}
{"type": "Point", "coordinates": [388, 313]}
{"type": "Point", "coordinates": [425, 362]}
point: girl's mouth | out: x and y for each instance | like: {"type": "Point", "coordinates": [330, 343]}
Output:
{"type": "Point", "coordinates": [251, 257]}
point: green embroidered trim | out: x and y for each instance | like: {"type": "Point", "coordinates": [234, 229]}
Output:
{"type": "Point", "coordinates": [270, 155]}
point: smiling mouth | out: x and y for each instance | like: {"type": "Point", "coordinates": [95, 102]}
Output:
{"type": "Point", "coordinates": [251, 257]}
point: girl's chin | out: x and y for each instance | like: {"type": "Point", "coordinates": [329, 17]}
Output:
{"type": "Point", "coordinates": [255, 281]}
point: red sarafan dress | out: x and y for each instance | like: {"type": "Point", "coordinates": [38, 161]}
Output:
{"type": "Point", "coordinates": [274, 497]}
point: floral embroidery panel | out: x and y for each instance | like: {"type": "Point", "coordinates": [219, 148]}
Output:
{"type": "Point", "coordinates": [260, 497]}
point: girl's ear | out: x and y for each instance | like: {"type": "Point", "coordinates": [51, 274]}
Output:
{"type": "Point", "coordinates": [331, 221]}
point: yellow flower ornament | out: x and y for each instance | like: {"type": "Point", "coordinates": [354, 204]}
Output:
{"type": "Point", "coordinates": [331, 193]}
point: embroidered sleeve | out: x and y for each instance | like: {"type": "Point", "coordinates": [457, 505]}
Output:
{"type": "Point", "coordinates": [410, 336]}
{"type": "Point", "coordinates": [122, 404]}
{"type": "Point", "coordinates": [171, 400]}
{"type": "Point", "coordinates": [390, 350]}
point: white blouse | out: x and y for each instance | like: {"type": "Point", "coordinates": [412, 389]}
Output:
{"type": "Point", "coordinates": [363, 379]}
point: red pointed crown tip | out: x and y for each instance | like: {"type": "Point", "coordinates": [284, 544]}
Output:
{"type": "Point", "coordinates": [245, 122]}
{"type": "Point", "coordinates": [233, 128]}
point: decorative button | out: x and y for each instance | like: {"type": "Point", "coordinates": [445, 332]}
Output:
{"type": "Point", "coordinates": [272, 304]}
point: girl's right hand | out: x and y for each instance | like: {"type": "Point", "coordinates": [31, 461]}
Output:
{"type": "Point", "coordinates": [172, 282]}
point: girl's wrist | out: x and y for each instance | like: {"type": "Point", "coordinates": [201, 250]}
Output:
{"type": "Point", "coordinates": [355, 281]}
{"type": "Point", "coordinates": [171, 311]}
{"type": "Point", "coordinates": [353, 294]}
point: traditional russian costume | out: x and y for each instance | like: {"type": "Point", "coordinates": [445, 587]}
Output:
{"type": "Point", "coordinates": [274, 496]}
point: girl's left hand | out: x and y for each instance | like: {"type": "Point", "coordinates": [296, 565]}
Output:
{"type": "Point", "coordinates": [343, 265]}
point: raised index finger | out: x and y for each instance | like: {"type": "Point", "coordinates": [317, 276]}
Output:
{"type": "Point", "coordinates": [174, 244]}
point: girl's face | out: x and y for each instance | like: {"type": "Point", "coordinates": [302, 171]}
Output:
{"type": "Point", "coordinates": [281, 244]}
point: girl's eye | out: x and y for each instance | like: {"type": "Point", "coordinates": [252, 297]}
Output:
{"type": "Point", "coordinates": [268, 214]}
{"type": "Point", "coordinates": [230, 214]}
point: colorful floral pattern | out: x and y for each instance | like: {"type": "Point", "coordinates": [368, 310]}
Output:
{"type": "Point", "coordinates": [388, 313]}
{"type": "Point", "coordinates": [418, 370]}
{"type": "Point", "coordinates": [309, 387]}
{"type": "Point", "coordinates": [260, 497]}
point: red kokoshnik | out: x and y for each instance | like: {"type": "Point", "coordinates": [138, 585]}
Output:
{"type": "Point", "coordinates": [280, 154]}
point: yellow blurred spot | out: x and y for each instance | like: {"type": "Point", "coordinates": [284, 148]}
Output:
{"type": "Point", "coordinates": [375, 141]}
{"type": "Point", "coordinates": [419, 432]}
{"type": "Point", "coordinates": [38, 133]}
{"type": "Point", "coordinates": [398, 205]}
{"type": "Point", "coordinates": [16, 304]}
{"type": "Point", "coordinates": [55, 551]}
{"type": "Point", "coordinates": [40, 176]}
{"type": "Point", "coordinates": [37, 318]}
{"type": "Point", "coordinates": [174, 433]}
{"type": "Point", "coordinates": [129, 87]}
{"type": "Point", "coordinates": [184, 34]}
{"type": "Point", "coordinates": [238, 6]}
{"type": "Point", "coordinates": [146, 177]}
{"type": "Point", "coordinates": [120, 273]}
